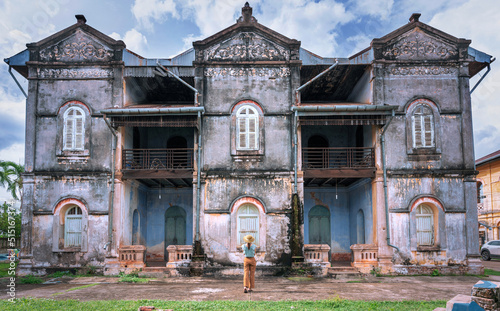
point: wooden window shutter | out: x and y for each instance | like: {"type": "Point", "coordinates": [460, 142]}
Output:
{"type": "Point", "coordinates": [79, 134]}
{"type": "Point", "coordinates": [68, 133]}
{"type": "Point", "coordinates": [73, 228]}
{"type": "Point", "coordinates": [242, 142]}
{"type": "Point", "coordinates": [428, 131]}
{"type": "Point", "coordinates": [425, 226]}
{"type": "Point", "coordinates": [248, 223]}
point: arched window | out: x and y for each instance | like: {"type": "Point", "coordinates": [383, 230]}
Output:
{"type": "Point", "coordinates": [73, 227]}
{"type": "Point", "coordinates": [247, 128]}
{"type": "Point", "coordinates": [422, 122]}
{"type": "Point", "coordinates": [74, 129]}
{"type": "Point", "coordinates": [425, 225]}
{"type": "Point", "coordinates": [248, 223]}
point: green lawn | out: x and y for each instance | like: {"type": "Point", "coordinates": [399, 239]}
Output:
{"type": "Point", "coordinates": [332, 304]}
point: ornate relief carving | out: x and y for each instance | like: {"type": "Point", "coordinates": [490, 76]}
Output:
{"type": "Point", "coordinates": [246, 46]}
{"type": "Point", "coordinates": [76, 48]}
{"type": "Point", "coordinates": [251, 72]}
{"type": "Point", "coordinates": [423, 71]}
{"type": "Point", "coordinates": [76, 73]}
{"type": "Point", "coordinates": [418, 45]}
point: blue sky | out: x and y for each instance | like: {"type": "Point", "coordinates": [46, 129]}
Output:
{"type": "Point", "coordinates": [163, 28]}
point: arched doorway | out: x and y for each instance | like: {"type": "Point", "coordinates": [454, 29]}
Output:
{"type": "Point", "coordinates": [319, 225]}
{"type": "Point", "coordinates": [175, 227]}
{"type": "Point", "coordinates": [360, 227]}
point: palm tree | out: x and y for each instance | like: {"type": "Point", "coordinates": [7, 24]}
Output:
{"type": "Point", "coordinates": [10, 177]}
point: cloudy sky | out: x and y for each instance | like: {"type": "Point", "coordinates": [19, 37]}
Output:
{"type": "Point", "coordinates": [163, 28]}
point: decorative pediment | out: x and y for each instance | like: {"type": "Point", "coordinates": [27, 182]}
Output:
{"type": "Point", "coordinates": [417, 45]}
{"type": "Point", "coordinates": [246, 46]}
{"type": "Point", "coordinates": [79, 47]}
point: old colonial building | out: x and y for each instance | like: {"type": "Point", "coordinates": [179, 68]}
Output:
{"type": "Point", "coordinates": [488, 196]}
{"type": "Point", "coordinates": [135, 162]}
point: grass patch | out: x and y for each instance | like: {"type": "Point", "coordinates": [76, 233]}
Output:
{"type": "Point", "coordinates": [75, 288]}
{"type": "Point", "coordinates": [300, 278]}
{"type": "Point", "coordinates": [30, 279]}
{"type": "Point", "coordinates": [4, 269]}
{"type": "Point", "coordinates": [132, 278]}
{"type": "Point", "coordinates": [355, 281]}
{"type": "Point", "coordinates": [336, 304]}
{"type": "Point", "coordinates": [59, 274]}
{"type": "Point", "coordinates": [491, 272]}
{"type": "Point", "coordinates": [80, 287]}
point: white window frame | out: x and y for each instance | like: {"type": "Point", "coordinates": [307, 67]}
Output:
{"type": "Point", "coordinates": [248, 222]}
{"type": "Point", "coordinates": [246, 118]}
{"type": "Point", "coordinates": [422, 123]}
{"type": "Point", "coordinates": [74, 128]}
{"type": "Point", "coordinates": [425, 225]}
{"type": "Point", "coordinates": [73, 224]}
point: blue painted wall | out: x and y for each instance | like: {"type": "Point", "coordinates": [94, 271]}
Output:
{"type": "Point", "coordinates": [343, 210]}
{"type": "Point", "coordinates": [360, 197]}
{"type": "Point", "coordinates": [155, 214]}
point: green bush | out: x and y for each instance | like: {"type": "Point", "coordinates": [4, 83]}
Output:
{"type": "Point", "coordinates": [30, 279]}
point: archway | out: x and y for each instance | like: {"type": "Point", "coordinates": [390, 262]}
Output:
{"type": "Point", "coordinates": [175, 227]}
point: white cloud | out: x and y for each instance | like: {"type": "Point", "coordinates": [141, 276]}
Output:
{"type": "Point", "coordinates": [148, 11]}
{"type": "Point", "coordinates": [376, 8]}
{"type": "Point", "coordinates": [134, 40]}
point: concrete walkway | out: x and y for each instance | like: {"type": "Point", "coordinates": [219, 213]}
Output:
{"type": "Point", "coordinates": [268, 288]}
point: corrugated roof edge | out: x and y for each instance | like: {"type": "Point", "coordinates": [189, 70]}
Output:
{"type": "Point", "coordinates": [487, 158]}
{"type": "Point", "coordinates": [19, 59]}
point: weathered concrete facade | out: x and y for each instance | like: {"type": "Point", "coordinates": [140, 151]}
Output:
{"type": "Point", "coordinates": [134, 162]}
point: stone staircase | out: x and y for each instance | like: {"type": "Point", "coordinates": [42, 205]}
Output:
{"type": "Point", "coordinates": [343, 270]}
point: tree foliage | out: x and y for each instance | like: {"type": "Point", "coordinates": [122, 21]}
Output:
{"type": "Point", "coordinates": [10, 178]}
{"type": "Point", "coordinates": [7, 210]}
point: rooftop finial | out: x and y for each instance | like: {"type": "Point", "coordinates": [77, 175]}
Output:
{"type": "Point", "coordinates": [80, 19]}
{"type": "Point", "coordinates": [246, 13]}
{"type": "Point", "coordinates": [414, 17]}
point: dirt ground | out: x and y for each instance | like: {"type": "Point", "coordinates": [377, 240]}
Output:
{"type": "Point", "coordinates": [268, 288]}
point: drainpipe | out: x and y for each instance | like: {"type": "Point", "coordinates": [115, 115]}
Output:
{"type": "Point", "coordinates": [296, 150]}
{"type": "Point", "coordinates": [297, 103]}
{"type": "Point", "coordinates": [382, 143]}
{"type": "Point", "coordinates": [111, 201]}
{"type": "Point", "coordinates": [163, 71]}
{"type": "Point", "coordinates": [19, 85]}
{"type": "Point", "coordinates": [198, 182]}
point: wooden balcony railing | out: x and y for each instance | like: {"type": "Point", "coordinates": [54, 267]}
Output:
{"type": "Point", "coordinates": [337, 158]}
{"type": "Point", "coordinates": [158, 159]}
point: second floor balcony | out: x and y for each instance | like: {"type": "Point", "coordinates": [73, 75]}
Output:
{"type": "Point", "coordinates": [338, 162]}
{"type": "Point", "coordinates": [158, 163]}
